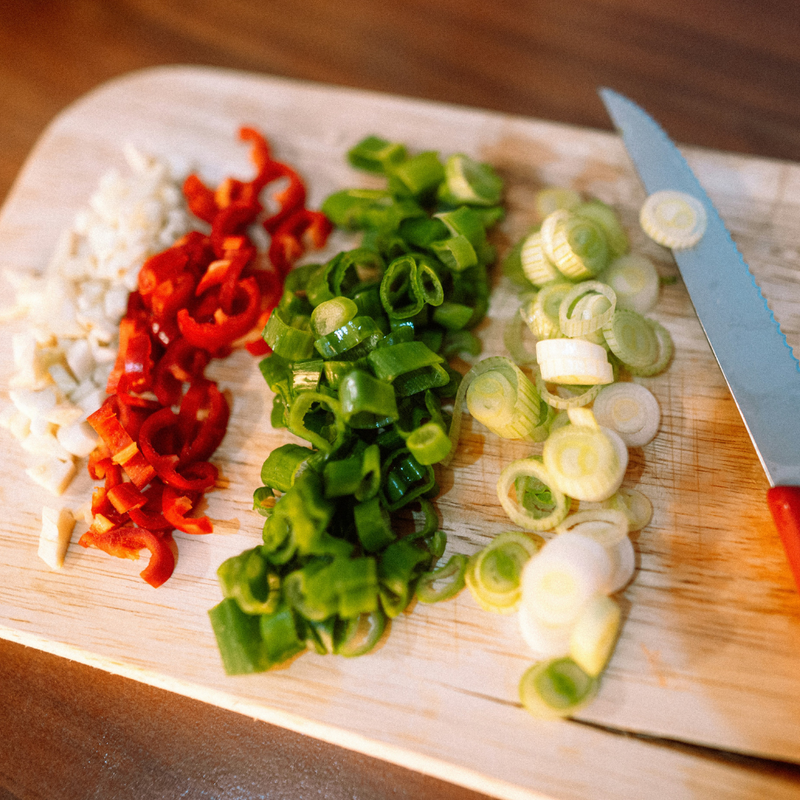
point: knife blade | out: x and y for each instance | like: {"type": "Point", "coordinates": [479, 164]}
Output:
{"type": "Point", "coordinates": [757, 363]}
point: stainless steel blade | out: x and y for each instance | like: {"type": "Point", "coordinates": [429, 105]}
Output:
{"type": "Point", "coordinates": [756, 361]}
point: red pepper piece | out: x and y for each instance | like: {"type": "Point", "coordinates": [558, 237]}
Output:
{"type": "Point", "coordinates": [181, 363]}
{"type": "Point", "coordinates": [124, 450]}
{"type": "Point", "coordinates": [202, 421]}
{"type": "Point", "coordinates": [290, 199]}
{"type": "Point", "coordinates": [287, 243]}
{"type": "Point", "coordinates": [127, 542]}
{"type": "Point", "coordinates": [200, 199]}
{"type": "Point", "coordinates": [198, 476]}
{"type": "Point", "coordinates": [162, 267]}
{"type": "Point", "coordinates": [125, 496]}
{"type": "Point", "coordinates": [134, 357]}
{"type": "Point", "coordinates": [175, 506]}
{"type": "Point", "coordinates": [220, 333]}
{"type": "Point", "coordinates": [149, 515]}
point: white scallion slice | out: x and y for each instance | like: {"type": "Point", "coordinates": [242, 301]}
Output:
{"type": "Point", "coordinates": [634, 504]}
{"type": "Point", "coordinates": [573, 361]}
{"type": "Point", "coordinates": [595, 634]}
{"type": "Point", "coordinates": [563, 576]}
{"type": "Point", "coordinates": [566, 399]}
{"type": "Point", "coordinates": [673, 219]}
{"type": "Point", "coordinates": [506, 401]}
{"type": "Point", "coordinates": [537, 267]}
{"type": "Point", "coordinates": [544, 641]}
{"type": "Point", "coordinates": [635, 280]}
{"type": "Point", "coordinates": [556, 689]}
{"type": "Point", "coordinates": [585, 463]}
{"type": "Point", "coordinates": [631, 410]}
{"type": "Point", "coordinates": [607, 526]}
{"type": "Point", "coordinates": [586, 308]}
{"type": "Point", "coordinates": [623, 557]}
{"type": "Point", "coordinates": [531, 519]}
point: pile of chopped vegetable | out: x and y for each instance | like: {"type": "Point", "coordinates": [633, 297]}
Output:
{"type": "Point", "coordinates": [585, 299]}
{"type": "Point", "coordinates": [199, 299]}
{"type": "Point", "coordinates": [359, 371]}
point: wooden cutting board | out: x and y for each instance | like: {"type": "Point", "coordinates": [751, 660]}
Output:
{"type": "Point", "coordinates": [706, 674]}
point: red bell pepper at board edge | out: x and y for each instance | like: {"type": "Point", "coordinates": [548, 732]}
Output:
{"type": "Point", "coordinates": [127, 541]}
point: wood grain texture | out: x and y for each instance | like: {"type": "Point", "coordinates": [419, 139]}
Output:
{"type": "Point", "coordinates": [712, 630]}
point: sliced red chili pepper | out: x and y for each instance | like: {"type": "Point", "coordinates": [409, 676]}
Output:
{"type": "Point", "coordinates": [200, 199]}
{"type": "Point", "coordinates": [181, 363]}
{"type": "Point", "coordinates": [149, 515]}
{"type": "Point", "coordinates": [290, 199]}
{"type": "Point", "coordinates": [202, 421]}
{"type": "Point", "coordinates": [232, 221]}
{"type": "Point", "coordinates": [124, 450]}
{"type": "Point", "coordinates": [287, 244]}
{"type": "Point", "coordinates": [198, 477]}
{"type": "Point", "coordinates": [225, 329]}
{"type": "Point", "coordinates": [128, 541]}
{"type": "Point", "coordinates": [125, 496]}
{"type": "Point", "coordinates": [135, 356]}
{"type": "Point", "coordinates": [175, 506]}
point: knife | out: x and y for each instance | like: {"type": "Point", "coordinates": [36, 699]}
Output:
{"type": "Point", "coordinates": [756, 361]}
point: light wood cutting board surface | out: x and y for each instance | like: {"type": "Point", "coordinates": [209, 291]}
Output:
{"type": "Point", "coordinates": [705, 676]}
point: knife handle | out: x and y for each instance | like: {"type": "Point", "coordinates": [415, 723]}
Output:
{"type": "Point", "coordinates": [784, 504]}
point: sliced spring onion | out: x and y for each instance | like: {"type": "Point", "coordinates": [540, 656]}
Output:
{"type": "Point", "coordinates": [673, 219]}
{"type": "Point", "coordinates": [631, 410]}
{"type": "Point", "coordinates": [594, 634]}
{"type": "Point", "coordinates": [665, 352]}
{"type": "Point", "coordinates": [506, 401]}
{"type": "Point", "coordinates": [566, 399]}
{"type": "Point", "coordinates": [563, 576]}
{"type": "Point", "coordinates": [623, 557]}
{"type": "Point", "coordinates": [536, 266]}
{"type": "Point", "coordinates": [469, 181]}
{"type": "Point", "coordinates": [541, 311]}
{"type": "Point", "coordinates": [585, 463]}
{"type": "Point", "coordinates": [586, 308]}
{"type": "Point", "coordinates": [544, 641]}
{"type": "Point", "coordinates": [366, 401]}
{"type": "Point", "coordinates": [531, 519]}
{"type": "Point", "coordinates": [605, 525]}
{"type": "Point", "coordinates": [632, 339]}
{"type": "Point", "coordinates": [443, 583]}
{"type": "Point", "coordinates": [375, 154]}
{"type": "Point", "coordinates": [429, 443]}
{"type": "Point", "coordinates": [607, 219]}
{"type": "Point", "coordinates": [576, 245]}
{"type": "Point", "coordinates": [332, 314]}
{"type": "Point", "coordinates": [573, 361]}
{"type": "Point", "coordinates": [556, 689]}
{"type": "Point", "coordinates": [635, 280]}
{"type": "Point", "coordinates": [359, 635]}
{"type": "Point", "coordinates": [494, 572]}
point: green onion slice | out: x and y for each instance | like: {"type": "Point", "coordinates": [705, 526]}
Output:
{"type": "Point", "coordinates": [443, 583]}
{"type": "Point", "coordinates": [530, 519]}
{"type": "Point", "coordinates": [556, 689]}
{"type": "Point", "coordinates": [493, 574]}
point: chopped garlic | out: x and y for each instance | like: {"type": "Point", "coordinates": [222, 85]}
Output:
{"type": "Point", "coordinates": [57, 525]}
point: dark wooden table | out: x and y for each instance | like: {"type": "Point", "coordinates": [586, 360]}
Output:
{"type": "Point", "coordinates": [722, 74]}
